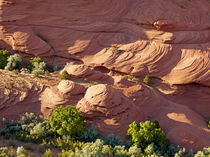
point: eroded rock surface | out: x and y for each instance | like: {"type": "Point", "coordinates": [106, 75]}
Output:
{"type": "Point", "coordinates": [170, 40]}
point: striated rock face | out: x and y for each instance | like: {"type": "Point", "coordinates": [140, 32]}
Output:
{"type": "Point", "coordinates": [66, 93]}
{"type": "Point", "coordinates": [83, 72]}
{"type": "Point", "coordinates": [169, 40]}
{"type": "Point", "coordinates": [108, 109]}
{"type": "Point", "coordinates": [70, 87]}
{"type": "Point", "coordinates": [149, 40]}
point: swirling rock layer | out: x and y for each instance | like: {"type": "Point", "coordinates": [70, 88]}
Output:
{"type": "Point", "coordinates": [170, 40]}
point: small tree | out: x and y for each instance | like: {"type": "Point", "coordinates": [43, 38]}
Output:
{"type": "Point", "coordinates": [68, 121]}
{"type": "Point", "coordinates": [4, 54]}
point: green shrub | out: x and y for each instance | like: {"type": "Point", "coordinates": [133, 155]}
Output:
{"type": "Point", "coordinates": [64, 75]}
{"type": "Point", "coordinates": [97, 149]}
{"type": "Point", "coordinates": [15, 71]}
{"type": "Point", "coordinates": [3, 151]}
{"type": "Point", "coordinates": [9, 127]}
{"type": "Point", "coordinates": [120, 151]}
{"type": "Point", "coordinates": [48, 153]}
{"type": "Point", "coordinates": [30, 63]}
{"type": "Point", "coordinates": [128, 77]}
{"type": "Point", "coordinates": [21, 151]}
{"type": "Point", "coordinates": [204, 153]}
{"type": "Point", "coordinates": [57, 68]}
{"type": "Point", "coordinates": [208, 123]}
{"type": "Point", "coordinates": [42, 130]}
{"type": "Point", "coordinates": [11, 84]}
{"type": "Point", "coordinates": [67, 143]}
{"type": "Point", "coordinates": [39, 68]}
{"type": "Point", "coordinates": [25, 71]}
{"type": "Point", "coordinates": [145, 133]}
{"type": "Point", "coordinates": [13, 62]}
{"type": "Point", "coordinates": [147, 79]}
{"type": "Point", "coordinates": [4, 54]}
{"type": "Point", "coordinates": [113, 140]}
{"type": "Point", "coordinates": [22, 85]}
{"type": "Point", "coordinates": [90, 135]}
{"type": "Point", "coordinates": [135, 151]}
{"type": "Point", "coordinates": [28, 121]}
{"type": "Point", "coordinates": [67, 121]}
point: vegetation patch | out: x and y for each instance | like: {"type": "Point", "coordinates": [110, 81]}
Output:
{"type": "Point", "coordinates": [147, 79]}
{"type": "Point", "coordinates": [64, 75]}
{"type": "Point", "coordinates": [4, 54]}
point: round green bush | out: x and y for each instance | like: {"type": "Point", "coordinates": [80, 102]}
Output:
{"type": "Point", "coordinates": [68, 121]}
{"type": "Point", "coordinates": [4, 54]}
{"type": "Point", "coordinates": [145, 133]}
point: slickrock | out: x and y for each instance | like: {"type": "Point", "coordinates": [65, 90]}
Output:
{"type": "Point", "coordinates": [169, 40]}
{"type": "Point", "coordinates": [108, 109]}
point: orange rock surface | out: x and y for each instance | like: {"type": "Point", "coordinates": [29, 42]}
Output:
{"type": "Point", "coordinates": [107, 39]}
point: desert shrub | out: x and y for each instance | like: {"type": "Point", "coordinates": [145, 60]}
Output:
{"type": "Point", "coordinates": [91, 134]}
{"type": "Point", "coordinates": [9, 127]}
{"type": "Point", "coordinates": [208, 123]}
{"type": "Point", "coordinates": [30, 63]}
{"type": "Point", "coordinates": [171, 151]}
{"type": "Point", "coordinates": [66, 153]}
{"type": "Point", "coordinates": [42, 130]}
{"type": "Point", "coordinates": [21, 151]}
{"type": "Point", "coordinates": [134, 151]}
{"type": "Point", "coordinates": [15, 71]}
{"type": "Point", "coordinates": [64, 75]}
{"type": "Point", "coordinates": [120, 151]}
{"type": "Point", "coordinates": [96, 149]}
{"type": "Point", "coordinates": [116, 50]}
{"type": "Point", "coordinates": [46, 73]}
{"type": "Point", "coordinates": [113, 140]}
{"type": "Point", "coordinates": [68, 121]}
{"type": "Point", "coordinates": [67, 143]}
{"type": "Point", "coordinates": [4, 54]}
{"type": "Point", "coordinates": [3, 151]}
{"type": "Point", "coordinates": [28, 121]}
{"type": "Point", "coordinates": [48, 153]}
{"type": "Point", "coordinates": [39, 68]}
{"type": "Point", "coordinates": [147, 79]}
{"type": "Point", "coordinates": [145, 133]}
{"type": "Point", "coordinates": [57, 68]}
{"type": "Point", "coordinates": [180, 153]}
{"type": "Point", "coordinates": [25, 71]}
{"type": "Point", "coordinates": [128, 77]}
{"type": "Point", "coordinates": [13, 62]}
{"type": "Point", "coordinates": [204, 153]}
{"type": "Point", "coordinates": [11, 84]}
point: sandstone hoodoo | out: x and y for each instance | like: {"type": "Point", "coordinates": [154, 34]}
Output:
{"type": "Point", "coordinates": [114, 62]}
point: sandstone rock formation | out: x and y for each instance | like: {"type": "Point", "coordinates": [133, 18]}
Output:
{"type": "Point", "coordinates": [170, 40]}
{"type": "Point", "coordinates": [83, 72]}
{"type": "Point", "coordinates": [66, 93]}
{"type": "Point", "coordinates": [108, 109]}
